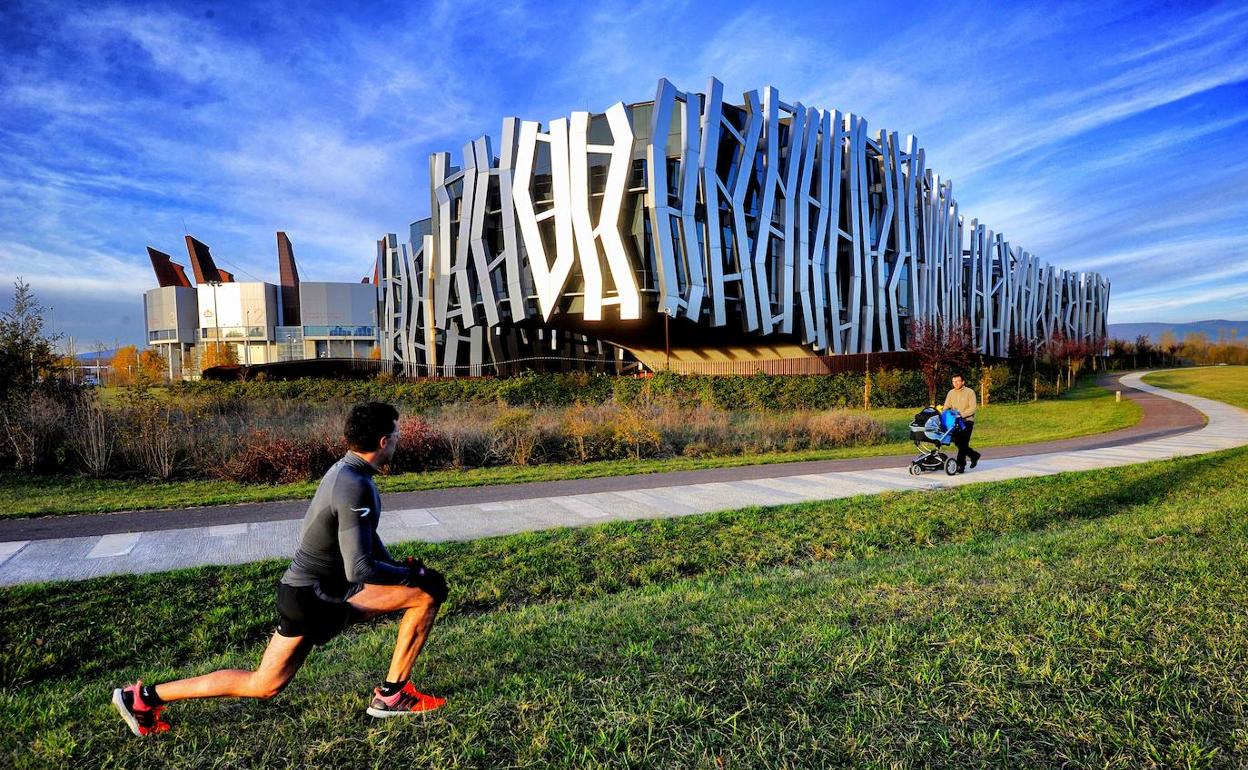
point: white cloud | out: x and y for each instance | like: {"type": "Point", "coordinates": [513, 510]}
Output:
{"type": "Point", "coordinates": [1207, 303]}
{"type": "Point", "coordinates": [71, 270]}
{"type": "Point", "coordinates": [181, 45]}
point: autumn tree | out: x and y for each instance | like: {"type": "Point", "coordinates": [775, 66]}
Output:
{"type": "Point", "coordinates": [217, 354]}
{"type": "Point", "coordinates": [124, 365]}
{"type": "Point", "coordinates": [1022, 353]}
{"type": "Point", "coordinates": [1228, 349]}
{"type": "Point", "coordinates": [1169, 343]}
{"type": "Point", "coordinates": [1196, 347]}
{"type": "Point", "coordinates": [153, 365]}
{"type": "Point", "coordinates": [1119, 350]}
{"type": "Point", "coordinates": [1144, 349]}
{"type": "Point", "coordinates": [1124, 348]}
{"type": "Point", "coordinates": [941, 349]}
{"type": "Point", "coordinates": [1068, 353]}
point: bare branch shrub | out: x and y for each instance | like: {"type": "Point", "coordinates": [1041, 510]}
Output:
{"type": "Point", "coordinates": [840, 429]}
{"type": "Point", "coordinates": [515, 436]}
{"type": "Point", "coordinates": [159, 442]}
{"type": "Point", "coordinates": [467, 434]}
{"type": "Point", "coordinates": [93, 435]}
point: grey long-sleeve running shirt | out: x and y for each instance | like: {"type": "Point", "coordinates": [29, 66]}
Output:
{"type": "Point", "coordinates": [338, 544]}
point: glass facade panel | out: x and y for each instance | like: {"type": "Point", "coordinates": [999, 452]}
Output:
{"type": "Point", "coordinates": [340, 331]}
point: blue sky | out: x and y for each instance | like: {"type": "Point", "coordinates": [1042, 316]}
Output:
{"type": "Point", "coordinates": [1099, 136]}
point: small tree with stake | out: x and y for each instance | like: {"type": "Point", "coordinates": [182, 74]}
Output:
{"type": "Point", "coordinates": [1143, 347]}
{"type": "Point", "coordinates": [1169, 344]}
{"type": "Point", "coordinates": [1022, 352]}
{"type": "Point", "coordinates": [1070, 353]}
{"type": "Point", "coordinates": [940, 348]}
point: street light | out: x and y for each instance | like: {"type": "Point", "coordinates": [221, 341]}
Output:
{"type": "Point", "coordinates": [247, 335]}
{"type": "Point", "coordinates": [216, 319]}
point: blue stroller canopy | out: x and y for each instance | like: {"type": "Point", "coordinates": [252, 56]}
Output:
{"type": "Point", "coordinates": [938, 426]}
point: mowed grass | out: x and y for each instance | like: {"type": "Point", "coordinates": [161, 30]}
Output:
{"type": "Point", "coordinates": [1095, 619]}
{"type": "Point", "coordinates": [1087, 409]}
{"type": "Point", "coordinates": [1223, 383]}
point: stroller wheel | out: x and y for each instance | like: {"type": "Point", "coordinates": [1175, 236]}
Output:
{"type": "Point", "coordinates": [951, 466]}
{"type": "Point", "coordinates": [915, 470]}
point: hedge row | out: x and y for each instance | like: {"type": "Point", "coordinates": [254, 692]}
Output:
{"type": "Point", "coordinates": [892, 388]}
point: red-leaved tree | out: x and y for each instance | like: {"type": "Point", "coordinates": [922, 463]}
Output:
{"type": "Point", "coordinates": [941, 348]}
{"type": "Point", "coordinates": [1022, 353]}
{"type": "Point", "coordinates": [1069, 352]}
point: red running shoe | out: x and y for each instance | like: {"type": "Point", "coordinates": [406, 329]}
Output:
{"type": "Point", "coordinates": [405, 702]}
{"type": "Point", "coordinates": [140, 718]}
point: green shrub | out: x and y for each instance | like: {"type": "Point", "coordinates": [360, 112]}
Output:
{"type": "Point", "coordinates": [627, 391]}
{"type": "Point", "coordinates": [896, 388]}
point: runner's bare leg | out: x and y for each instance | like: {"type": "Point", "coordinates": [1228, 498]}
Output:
{"type": "Point", "coordinates": [414, 627]}
{"type": "Point", "coordinates": [282, 658]}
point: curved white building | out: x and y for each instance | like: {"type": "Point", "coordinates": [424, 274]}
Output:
{"type": "Point", "coordinates": [689, 229]}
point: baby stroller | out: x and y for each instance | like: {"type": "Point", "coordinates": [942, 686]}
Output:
{"type": "Point", "coordinates": [934, 429]}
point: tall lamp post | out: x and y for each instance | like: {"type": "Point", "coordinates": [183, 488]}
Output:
{"type": "Point", "coordinates": [247, 335]}
{"type": "Point", "coordinates": [216, 320]}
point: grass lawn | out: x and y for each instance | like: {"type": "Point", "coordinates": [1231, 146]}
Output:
{"type": "Point", "coordinates": [1095, 619]}
{"type": "Point", "coordinates": [1223, 383]}
{"type": "Point", "coordinates": [1087, 409]}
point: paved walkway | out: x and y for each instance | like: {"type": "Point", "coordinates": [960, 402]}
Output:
{"type": "Point", "coordinates": [80, 547]}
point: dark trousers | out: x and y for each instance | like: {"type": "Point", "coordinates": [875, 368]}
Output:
{"type": "Point", "coordinates": [962, 440]}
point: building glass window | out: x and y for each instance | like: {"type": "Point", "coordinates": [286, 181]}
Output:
{"type": "Point", "coordinates": [339, 331]}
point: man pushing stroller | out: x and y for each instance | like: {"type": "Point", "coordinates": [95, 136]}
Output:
{"type": "Point", "coordinates": [962, 398]}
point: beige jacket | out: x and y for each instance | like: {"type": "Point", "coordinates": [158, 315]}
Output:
{"type": "Point", "coordinates": [963, 400]}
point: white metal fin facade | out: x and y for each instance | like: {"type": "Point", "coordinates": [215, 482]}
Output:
{"type": "Point", "coordinates": [768, 218]}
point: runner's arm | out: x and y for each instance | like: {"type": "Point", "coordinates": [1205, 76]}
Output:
{"type": "Point", "coordinates": [380, 550]}
{"type": "Point", "coordinates": [363, 562]}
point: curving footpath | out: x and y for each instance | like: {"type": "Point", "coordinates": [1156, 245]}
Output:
{"type": "Point", "coordinates": [80, 547]}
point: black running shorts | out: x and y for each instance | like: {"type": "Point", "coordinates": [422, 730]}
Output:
{"type": "Point", "coordinates": [309, 611]}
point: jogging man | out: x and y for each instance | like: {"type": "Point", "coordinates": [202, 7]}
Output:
{"type": "Point", "coordinates": [962, 398]}
{"type": "Point", "coordinates": [341, 574]}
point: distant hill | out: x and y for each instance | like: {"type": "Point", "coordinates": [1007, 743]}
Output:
{"type": "Point", "coordinates": [107, 355]}
{"type": "Point", "coordinates": [1154, 330]}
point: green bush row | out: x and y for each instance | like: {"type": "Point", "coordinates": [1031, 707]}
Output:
{"type": "Point", "coordinates": [889, 388]}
